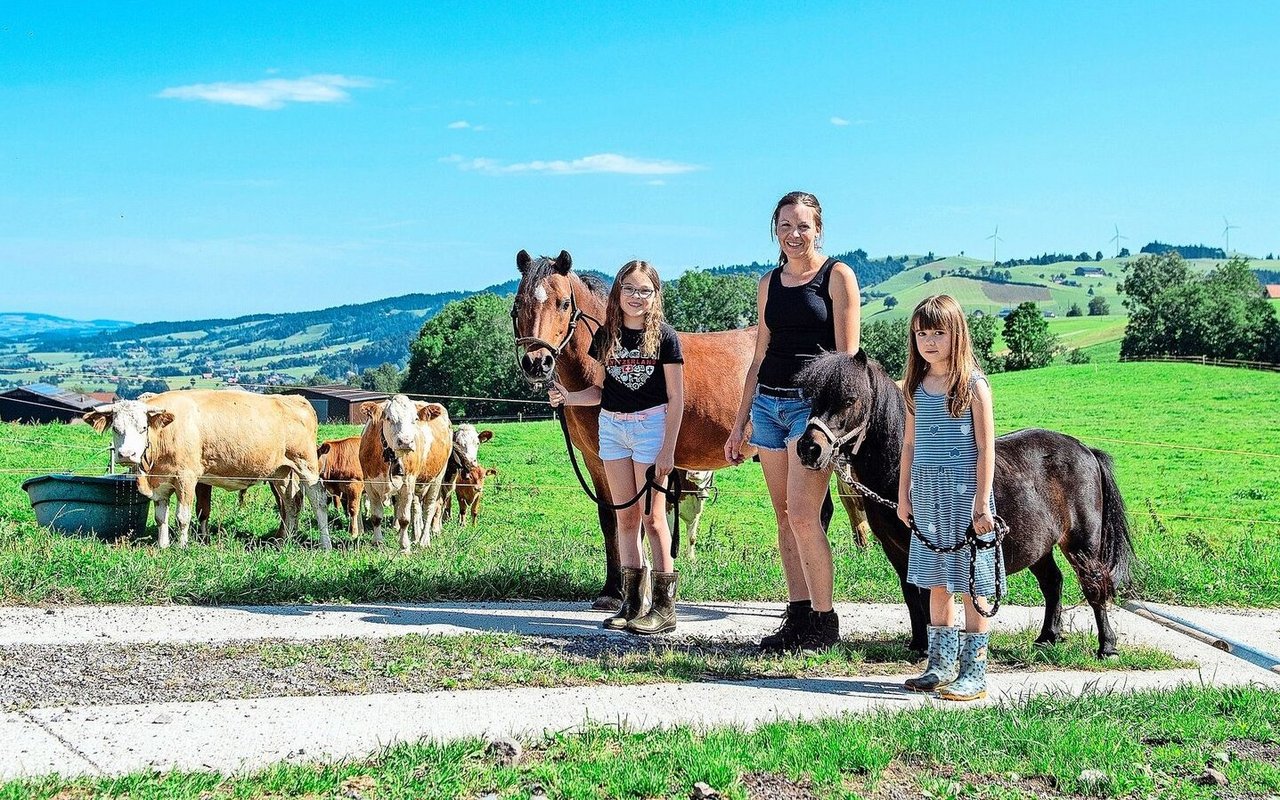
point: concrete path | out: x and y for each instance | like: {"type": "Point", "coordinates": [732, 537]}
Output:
{"type": "Point", "coordinates": [235, 735]}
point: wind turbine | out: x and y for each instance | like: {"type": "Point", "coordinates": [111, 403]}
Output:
{"type": "Point", "coordinates": [995, 239]}
{"type": "Point", "coordinates": [1117, 239]}
{"type": "Point", "coordinates": [1227, 227]}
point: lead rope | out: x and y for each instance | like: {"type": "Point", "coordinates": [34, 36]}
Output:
{"type": "Point", "coordinates": [971, 540]}
{"type": "Point", "coordinates": [672, 493]}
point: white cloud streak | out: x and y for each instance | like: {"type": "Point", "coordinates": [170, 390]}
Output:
{"type": "Point", "coordinates": [601, 163]}
{"type": "Point", "coordinates": [839, 122]}
{"type": "Point", "coordinates": [272, 93]}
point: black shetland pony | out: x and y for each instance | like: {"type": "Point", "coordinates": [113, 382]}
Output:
{"type": "Point", "coordinates": [1049, 488]}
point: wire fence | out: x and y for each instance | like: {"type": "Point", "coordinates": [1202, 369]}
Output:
{"type": "Point", "coordinates": [504, 485]}
{"type": "Point", "coordinates": [1208, 362]}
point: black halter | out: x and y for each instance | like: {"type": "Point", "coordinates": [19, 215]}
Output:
{"type": "Point", "coordinates": [523, 343]}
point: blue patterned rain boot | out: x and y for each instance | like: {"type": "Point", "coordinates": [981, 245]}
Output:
{"type": "Point", "coordinates": [944, 646]}
{"type": "Point", "coordinates": [972, 683]}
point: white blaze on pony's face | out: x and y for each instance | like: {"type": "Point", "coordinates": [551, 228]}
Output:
{"type": "Point", "coordinates": [130, 422]}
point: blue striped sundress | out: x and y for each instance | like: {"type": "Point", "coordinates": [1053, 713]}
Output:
{"type": "Point", "coordinates": [944, 480]}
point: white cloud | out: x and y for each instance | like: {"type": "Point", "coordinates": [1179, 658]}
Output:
{"type": "Point", "coordinates": [459, 125]}
{"type": "Point", "coordinates": [272, 93]}
{"type": "Point", "coordinates": [603, 162]}
{"type": "Point", "coordinates": [839, 122]}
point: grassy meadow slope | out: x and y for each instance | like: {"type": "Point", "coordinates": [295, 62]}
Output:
{"type": "Point", "coordinates": [1195, 452]}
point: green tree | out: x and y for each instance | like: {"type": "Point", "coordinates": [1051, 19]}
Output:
{"type": "Point", "coordinates": [384, 378]}
{"type": "Point", "coordinates": [1098, 306]}
{"type": "Point", "coordinates": [1026, 332]}
{"type": "Point", "coordinates": [1241, 323]}
{"type": "Point", "coordinates": [468, 350]}
{"type": "Point", "coordinates": [153, 385]}
{"type": "Point", "coordinates": [1075, 310]}
{"type": "Point", "coordinates": [890, 301]}
{"type": "Point", "coordinates": [700, 301]}
{"type": "Point", "coordinates": [886, 341]}
{"type": "Point", "coordinates": [982, 334]}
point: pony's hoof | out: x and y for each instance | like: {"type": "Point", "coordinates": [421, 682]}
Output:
{"type": "Point", "coordinates": [1108, 656]}
{"type": "Point", "coordinates": [606, 603]}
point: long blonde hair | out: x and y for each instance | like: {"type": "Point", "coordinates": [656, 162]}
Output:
{"type": "Point", "coordinates": [653, 318]}
{"type": "Point", "coordinates": [942, 312]}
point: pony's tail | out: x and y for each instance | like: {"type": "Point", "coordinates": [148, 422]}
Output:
{"type": "Point", "coordinates": [1116, 548]}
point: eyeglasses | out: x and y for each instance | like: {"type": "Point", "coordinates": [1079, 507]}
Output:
{"type": "Point", "coordinates": [642, 292]}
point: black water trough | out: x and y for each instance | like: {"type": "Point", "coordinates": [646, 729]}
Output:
{"type": "Point", "coordinates": [108, 506]}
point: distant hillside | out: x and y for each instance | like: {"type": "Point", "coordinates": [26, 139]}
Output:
{"type": "Point", "coordinates": [869, 271]}
{"type": "Point", "coordinates": [257, 348]}
{"type": "Point", "coordinates": [19, 325]}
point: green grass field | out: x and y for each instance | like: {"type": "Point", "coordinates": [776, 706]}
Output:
{"type": "Point", "coordinates": [1148, 744]}
{"type": "Point", "coordinates": [1195, 452]}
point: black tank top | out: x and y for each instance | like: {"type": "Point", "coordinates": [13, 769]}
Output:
{"type": "Point", "coordinates": [801, 325]}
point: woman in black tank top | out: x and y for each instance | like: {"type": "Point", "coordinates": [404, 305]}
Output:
{"type": "Point", "coordinates": [808, 305]}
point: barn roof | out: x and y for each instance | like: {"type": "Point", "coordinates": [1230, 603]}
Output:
{"type": "Point", "coordinates": [57, 396]}
{"type": "Point", "coordinates": [340, 391]}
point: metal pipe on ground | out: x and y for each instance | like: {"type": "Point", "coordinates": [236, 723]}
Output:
{"type": "Point", "coordinates": [1258, 658]}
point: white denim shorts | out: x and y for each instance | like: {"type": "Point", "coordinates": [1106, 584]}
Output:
{"type": "Point", "coordinates": [637, 435]}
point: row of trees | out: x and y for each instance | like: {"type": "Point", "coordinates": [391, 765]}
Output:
{"type": "Point", "coordinates": [1173, 311]}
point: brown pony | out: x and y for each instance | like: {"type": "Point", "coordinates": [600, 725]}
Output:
{"type": "Point", "coordinates": [556, 311]}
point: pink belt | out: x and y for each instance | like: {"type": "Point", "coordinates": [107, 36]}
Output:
{"type": "Point", "coordinates": [635, 416]}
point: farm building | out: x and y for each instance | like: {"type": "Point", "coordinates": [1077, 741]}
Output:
{"type": "Point", "coordinates": [1273, 291]}
{"type": "Point", "coordinates": [42, 402]}
{"type": "Point", "coordinates": [338, 403]}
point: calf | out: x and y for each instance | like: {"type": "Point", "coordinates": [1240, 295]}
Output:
{"type": "Point", "coordinates": [469, 488]}
{"type": "Point", "coordinates": [695, 488]}
{"type": "Point", "coordinates": [464, 458]}
{"type": "Point", "coordinates": [343, 478]}
{"type": "Point", "coordinates": [227, 439]}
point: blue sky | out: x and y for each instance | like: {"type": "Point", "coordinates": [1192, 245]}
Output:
{"type": "Point", "coordinates": [171, 161]}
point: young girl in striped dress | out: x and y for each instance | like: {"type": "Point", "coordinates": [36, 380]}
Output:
{"type": "Point", "coordinates": [948, 466]}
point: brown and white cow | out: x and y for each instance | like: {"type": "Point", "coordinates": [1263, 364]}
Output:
{"type": "Point", "coordinates": [469, 487]}
{"type": "Point", "coordinates": [403, 452]}
{"type": "Point", "coordinates": [343, 478]}
{"type": "Point", "coordinates": [227, 439]}
{"type": "Point", "coordinates": [464, 458]}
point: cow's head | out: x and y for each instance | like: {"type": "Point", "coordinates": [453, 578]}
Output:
{"type": "Point", "coordinates": [466, 444]}
{"type": "Point", "coordinates": [839, 387]}
{"type": "Point", "coordinates": [131, 422]}
{"type": "Point", "coordinates": [477, 474]}
{"type": "Point", "coordinates": [397, 419]}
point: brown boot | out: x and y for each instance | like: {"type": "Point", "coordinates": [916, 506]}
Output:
{"type": "Point", "coordinates": [662, 617]}
{"type": "Point", "coordinates": [633, 580]}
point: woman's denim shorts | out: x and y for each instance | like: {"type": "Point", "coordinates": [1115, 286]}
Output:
{"type": "Point", "coordinates": [778, 420]}
{"type": "Point", "coordinates": [637, 436]}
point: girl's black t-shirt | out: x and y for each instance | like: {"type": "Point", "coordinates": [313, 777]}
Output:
{"type": "Point", "coordinates": [801, 324]}
{"type": "Point", "coordinates": [633, 381]}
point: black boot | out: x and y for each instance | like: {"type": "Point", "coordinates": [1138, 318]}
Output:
{"type": "Point", "coordinates": [823, 632]}
{"type": "Point", "coordinates": [662, 616]}
{"type": "Point", "coordinates": [633, 580]}
{"type": "Point", "coordinates": [794, 623]}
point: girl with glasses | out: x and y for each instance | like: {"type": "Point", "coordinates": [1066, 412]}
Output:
{"type": "Point", "coordinates": [640, 392]}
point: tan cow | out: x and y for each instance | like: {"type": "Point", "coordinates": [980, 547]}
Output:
{"type": "Point", "coordinates": [403, 451]}
{"type": "Point", "coordinates": [227, 439]}
{"type": "Point", "coordinates": [343, 478]}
